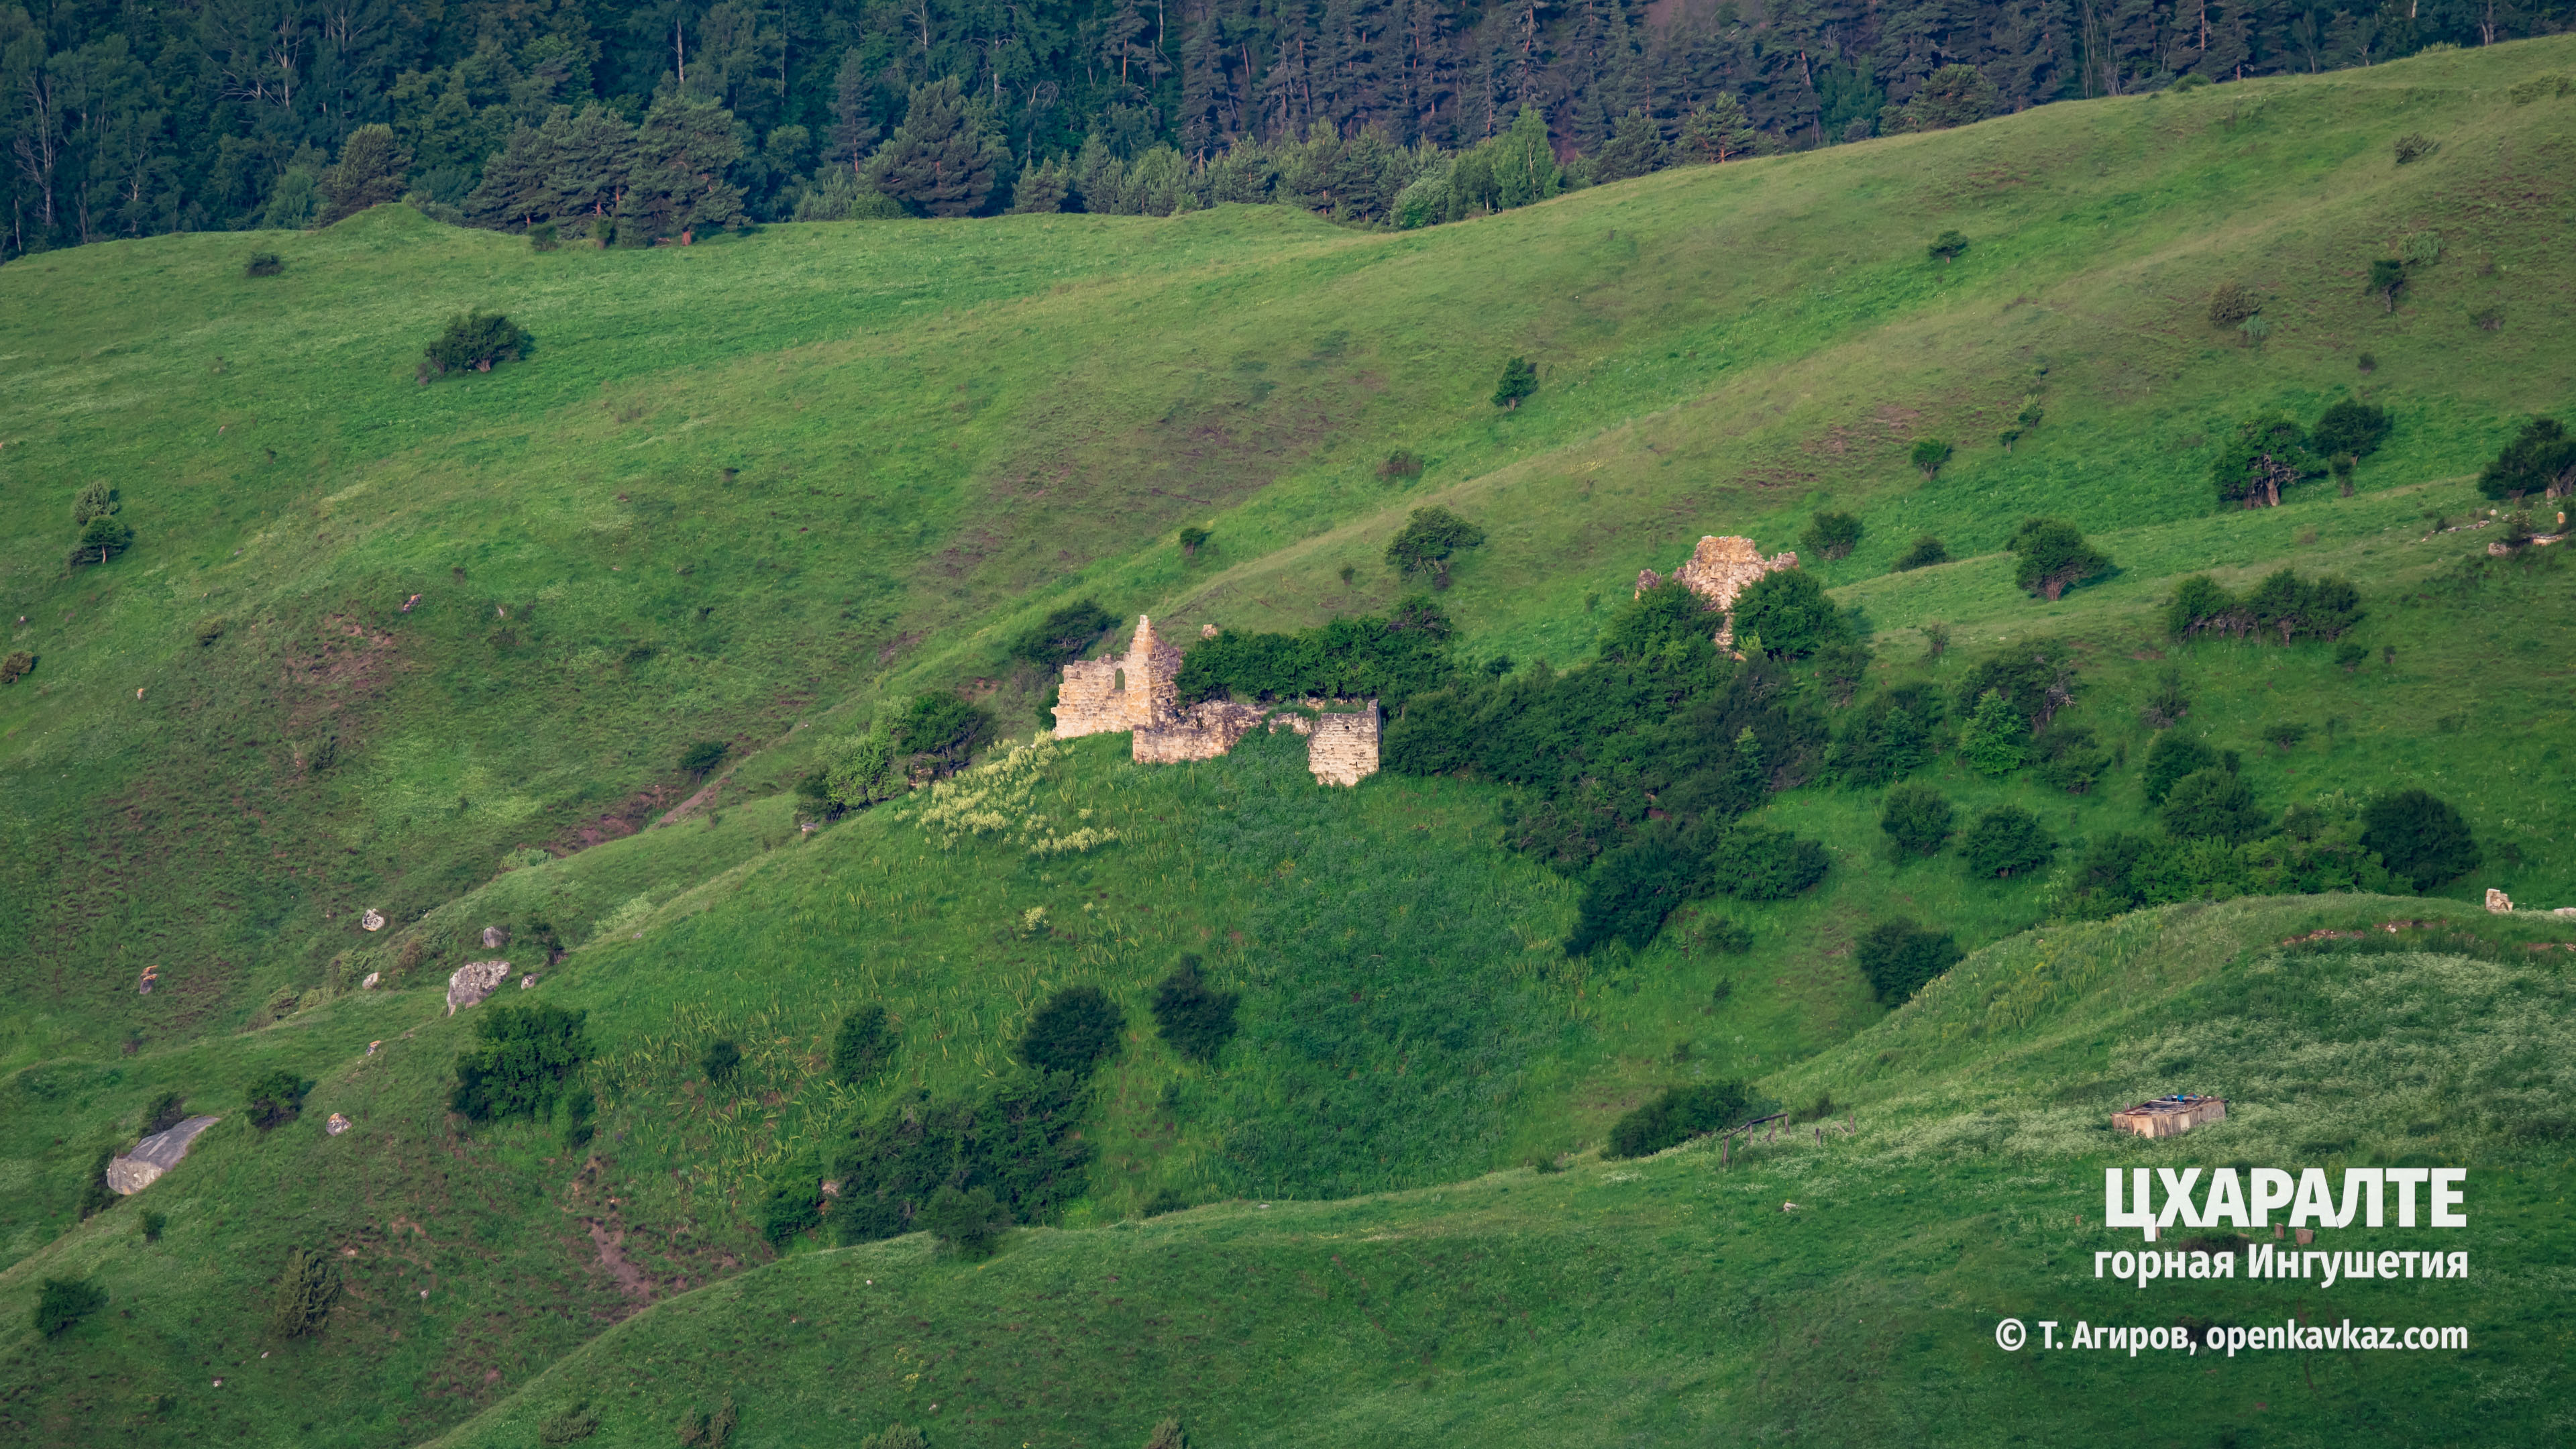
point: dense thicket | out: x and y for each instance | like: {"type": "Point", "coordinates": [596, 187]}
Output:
{"type": "Point", "coordinates": [1388, 658]}
{"type": "Point", "coordinates": [125, 120]}
{"type": "Point", "coordinates": [1016, 1140]}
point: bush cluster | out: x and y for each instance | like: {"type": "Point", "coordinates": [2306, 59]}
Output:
{"type": "Point", "coordinates": [940, 731]}
{"type": "Point", "coordinates": [1063, 635]}
{"type": "Point", "coordinates": [1917, 818]}
{"type": "Point", "coordinates": [1899, 958]}
{"type": "Point", "coordinates": [1073, 1033]}
{"type": "Point", "coordinates": [2006, 841]}
{"type": "Point", "coordinates": [306, 1289]}
{"type": "Point", "coordinates": [1019, 1140]}
{"type": "Point", "coordinates": [1787, 615]}
{"type": "Point", "coordinates": [1194, 1018]}
{"type": "Point", "coordinates": [274, 1099]}
{"type": "Point", "coordinates": [1390, 658]}
{"type": "Point", "coordinates": [521, 1058]}
{"type": "Point", "coordinates": [2282, 606]}
{"type": "Point", "coordinates": [2540, 460]}
{"type": "Point", "coordinates": [1427, 542]}
{"type": "Point", "coordinates": [1831, 535]}
{"type": "Point", "coordinates": [63, 1302]}
{"type": "Point", "coordinates": [862, 1045]}
{"type": "Point", "coordinates": [1676, 1115]}
{"type": "Point", "coordinates": [1628, 895]}
{"type": "Point", "coordinates": [2053, 557]}
{"type": "Point", "coordinates": [475, 342]}
{"type": "Point", "coordinates": [1896, 733]}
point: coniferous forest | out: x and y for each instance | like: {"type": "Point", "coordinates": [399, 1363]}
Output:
{"type": "Point", "coordinates": [643, 122]}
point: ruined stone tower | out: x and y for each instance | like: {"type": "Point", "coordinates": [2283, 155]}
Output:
{"type": "Point", "coordinates": [1137, 692]}
{"type": "Point", "coordinates": [1134, 691]}
{"type": "Point", "coordinates": [1718, 570]}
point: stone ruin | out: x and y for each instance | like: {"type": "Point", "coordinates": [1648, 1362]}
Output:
{"type": "Point", "coordinates": [1718, 570]}
{"type": "Point", "coordinates": [1137, 692]}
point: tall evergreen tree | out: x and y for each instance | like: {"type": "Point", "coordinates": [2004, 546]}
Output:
{"type": "Point", "coordinates": [943, 160]}
{"type": "Point", "coordinates": [678, 187]}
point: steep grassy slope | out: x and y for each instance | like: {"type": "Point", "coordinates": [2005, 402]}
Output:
{"type": "Point", "coordinates": [1673, 1300]}
{"type": "Point", "coordinates": [925, 423]}
{"type": "Point", "coordinates": [597, 591]}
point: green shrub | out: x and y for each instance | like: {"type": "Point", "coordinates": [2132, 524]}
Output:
{"type": "Point", "coordinates": [1389, 658]}
{"type": "Point", "coordinates": [2212, 802]}
{"type": "Point", "coordinates": [2540, 460]}
{"type": "Point", "coordinates": [96, 1196]}
{"type": "Point", "coordinates": [1019, 1137]}
{"type": "Point", "coordinates": [154, 1225]}
{"type": "Point", "coordinates": [1949, 246]}
{"type": "Point", "coordinates": [1925, 552]}
{"type": "Point", "coordinates": [263, 264]}
{"type": "Point", "coordinates": [1894, 734]}
{"type": "Point", "coordinates": [895, 1436]}
{"type": "Point", "coordinates": [2420, 837]}
{"type": "Point", "coordinates": [544, 237]}
{"type": "Point", "coordinates": [1063, 635]}
{"type": "Point", "coordinates": [65, 1301]}
{"type": "Point", "coordinates": [790, 1208]}
{"type": "Point", "coordinates": [1917, 818]}
{"type": "Point", "coordinates": [17, 666]}
{"type": "Point", "coordinates": [475, 341]}
{"type": "Point", "coordinates": [2350, 430]}
{"type": "Point", "coordinates": [1658, 619]}
{"type": "Point", "coordinates": [703, 756]}
{"type": "Point", "coordinates": [862, 1045]}
{"type": "Point", "coordinates": [1427, 541]}
{"type": "Point", "coordinates": [721, 1062]}
{"type": "Point", "coordinates": [521, 1058]}
{"type": "Point", "coordinates": [969, 1221]}
{"type": "Point", "coordinates": [2283, 606]}
{"type": "Point", "coordinates": [941, 731]}
{"type": "Point", "coordinates": [1166, 1200]}
{"type": "Point", "coordinates": [1831, 535]}
{"type": "Point", "coordinates": [2266, 454]}
{"type": "Point", "coordinates": [1401, 464]}
{"type": "Point", "coordinates": [96, 500]}
{"type": "Point", "coordinates": [1899, 958]}
{"type": "Point", "coordinates": [1788, 616]}
{"type": "Point", "coordinates": [2054, 558]}
{"type": "Point", "coordinates": [1520, 379]}
{"type": "Point", "coordinates": [1928, 456]}
{"type": "Point", "coordinates": [2414, 146]}
{"type": "Point", "coordinates": [2169, 759]}
{"type": "Point", "coordinates": [1676, 1115]}
{"type": "Point", "coordinates": [1996, 739]}
{"type": "Point", "coordinates": [2006, 841]}
{"type": "Point", "coordinates": [306, 1289]}
{"type": "Point", "coordinates": [568, 1425]}
{"type": "Point", "coordinates": [101, 539]}
{"type": "Point", "coordinates": [1755, 864]}
{"type": "Point", "coordinates": [1074, 1032]}
{"type": "Point", "coordinates": [2286, 735]}
{"type": "Point", "coordinates": [1194, 1018]}
{"type": "Point", "coordinates": [2230, 304]}
{"type": "Point", "coordinates": [1632, 889]}
{"type": "Point", "coordinates": [1167, 1434]}
{"type": "Point", "coordinates": [2069, 760]}
{"type": "Point", "coordinates": [275, 1098]}
{"type": "Point", "coordinates": [2387, 279]}
{"type": "Point", "coordinates": [1191, 540]}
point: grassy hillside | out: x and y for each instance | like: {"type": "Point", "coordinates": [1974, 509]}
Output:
{"type": "Point", "coordinates": [753, 489]}
{"type": "Point", "coordinates": [1673, 1299]}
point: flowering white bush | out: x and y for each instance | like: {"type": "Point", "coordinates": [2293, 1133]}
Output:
{"type": "Point", "coordinates": [997, 798]}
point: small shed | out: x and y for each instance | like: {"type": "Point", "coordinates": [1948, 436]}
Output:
{"type": "Point", "coordinates": [2170, 1116]}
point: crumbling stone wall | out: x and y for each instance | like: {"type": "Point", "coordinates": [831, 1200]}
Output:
{"type": "Point", "coordinates": [1341, 749]}
{"type": "Point", "coordinates": [1135, 690]}
{"type": "Point", "coordinates": [1718, 570]}
{"type": "Point", "coordinates": [1202, 732]}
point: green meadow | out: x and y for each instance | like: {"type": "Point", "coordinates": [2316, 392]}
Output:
{"type": "Point", "coordinates": [436, 651]}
